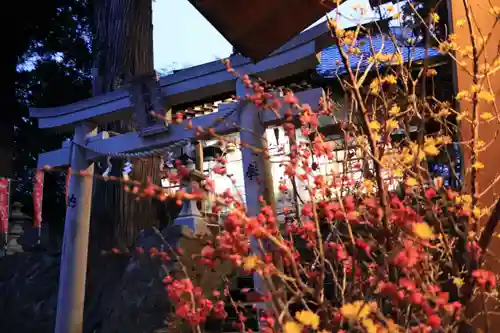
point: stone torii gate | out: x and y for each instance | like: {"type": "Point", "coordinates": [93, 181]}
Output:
{"type": "Point", "coordinates": [140, 98]}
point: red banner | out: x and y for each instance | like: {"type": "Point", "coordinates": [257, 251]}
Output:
{"type": "Point", "coordinates": [37, 198]}
{"type": "Point", "coordinates": [68, 178]}
{"type": "Point", "coordinates": [4, 205]}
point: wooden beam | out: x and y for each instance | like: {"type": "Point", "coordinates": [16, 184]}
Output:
{"type": "Point", "coordinates": [98, 109]}
{"type": "Point", "coordinates": [55, 158]}
{"type": "Point", "coordinates": [131, 142]}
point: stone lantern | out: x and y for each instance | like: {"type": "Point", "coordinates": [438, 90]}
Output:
{"type": "Point", "coordinates": [20, 228]}
{"type": "Point", "coordinates": [190, 216]}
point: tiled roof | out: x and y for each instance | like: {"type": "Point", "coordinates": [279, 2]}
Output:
{"type": "Point", "coordinates": [331, 61]}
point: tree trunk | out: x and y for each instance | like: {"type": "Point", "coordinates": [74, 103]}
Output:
{"type": "Point", "coordinates": [124, 49]}
{"type": "Point", "coordinates": [9, 106]}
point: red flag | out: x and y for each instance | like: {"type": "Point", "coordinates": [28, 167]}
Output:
{"type": "Point", "coordinates": [4, 205]}
{"type": "Point", "coordinates": [68, 177]}
{"type": "Point", "coordinates": [37, 198]}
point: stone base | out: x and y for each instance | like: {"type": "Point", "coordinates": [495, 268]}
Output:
{"type": "Point", "coordinates": [197, 224]}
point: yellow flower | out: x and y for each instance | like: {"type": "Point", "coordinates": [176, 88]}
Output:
{"type": "Point", "coordinates": [478, 165]}
{"type": "Point", "coordinates": [435, 17]}
{"type": "Point", "coordinates": [354, 50]}
{"type": "Point", "coordinates": [486, 116]}
{"type": "Point", "coordinates": [423, 231]}
{"type": "Point", "coordinates": [460, 23]}
{"type": "Point", "coordinates": [486, 96]}
{"type": "Point", "coordinates": [475, 87]}
{"type": "Point", "coordinates": [390, 79]}
{"type": "Point", "coordinates": [250, 262]}
{"type": "Point", "coordinates": [357, 310]}
{"type": "Point", "coordinates": [292, 327]}
{"type": "Point", "coordinates": [477, 212]}
{"type": "Point", "coordinates": [459, 282]}
{"type": "Point", "coordinates": [443, 140]}
{"type": "Point", "coordinates": [411, 181]}
{"type": "Point", "coordinates": [430, 148]}
{"type": "Point", "coordinates": [369, 325]}
{"type": "Point", "coordinates": [465, 199]}
{"type": "Point", "coordinates": [445, 47]}
{"type": "Point", "coordinates": [394, 110]}
{"type": "Point", "coordinates": [392, 124]}
{"type": "Point", "coordinates": [398, 172]}
{"type": "Point", "coordinates": [375, 86]}
{"type": "Point", "coordinates": [463, 95]}
{"type": "Point", "coordinates": [308, 318]}
{"type": "Point", "coordinates": [368, 185]}
{"type": "Point", "coordinates": [397, 59]}
{"type": "Point", "coordinates": [389, 328]}
{"type": "Point", "coordinates": [374, 125]}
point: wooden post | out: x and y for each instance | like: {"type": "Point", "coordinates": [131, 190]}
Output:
{"type": "Point", "coordinates": [73, 271]}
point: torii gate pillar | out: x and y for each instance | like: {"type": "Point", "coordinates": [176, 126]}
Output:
{"type": "Point", "coordinates": [256, 168]}
{"type": "Point", "coordinates": [71, 296]}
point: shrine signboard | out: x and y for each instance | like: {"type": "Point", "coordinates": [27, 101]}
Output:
{"type": "Point", "coordinates": [147, 101]}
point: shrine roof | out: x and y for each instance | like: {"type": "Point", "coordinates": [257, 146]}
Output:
{"type": "Point", "coordinates": [331, 65]}
{"type": "Point", "coordinates": [256, 28]}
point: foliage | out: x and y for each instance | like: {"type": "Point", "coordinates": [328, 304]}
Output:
{"type": "Point", "coordinates": [357, 256]}
{"type": "Point", "coordinates": [53, 69]}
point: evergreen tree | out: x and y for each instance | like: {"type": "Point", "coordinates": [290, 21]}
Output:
{"type": "Point", "coordinates": [51, 68]}
{"type": "Point", "coordinates": [124, 50]}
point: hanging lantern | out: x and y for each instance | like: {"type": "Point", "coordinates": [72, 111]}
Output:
{"type": "Point", "coordinates": [37, 198]}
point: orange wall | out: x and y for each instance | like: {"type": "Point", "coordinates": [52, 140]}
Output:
{"type": "Point", "coordinates": [491, 156]}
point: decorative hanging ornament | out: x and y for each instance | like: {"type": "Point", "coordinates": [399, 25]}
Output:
{"type": "Point", "coordinates": [106, 172]}
{"type": "Point", "coordinates": [170, 160]}
{"type": "Point", "coordinates": [37, 198]}
{"type": "Point", "coordinates": [162, 163]}
{"type": "Point", "coordinates": [127, 169]}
